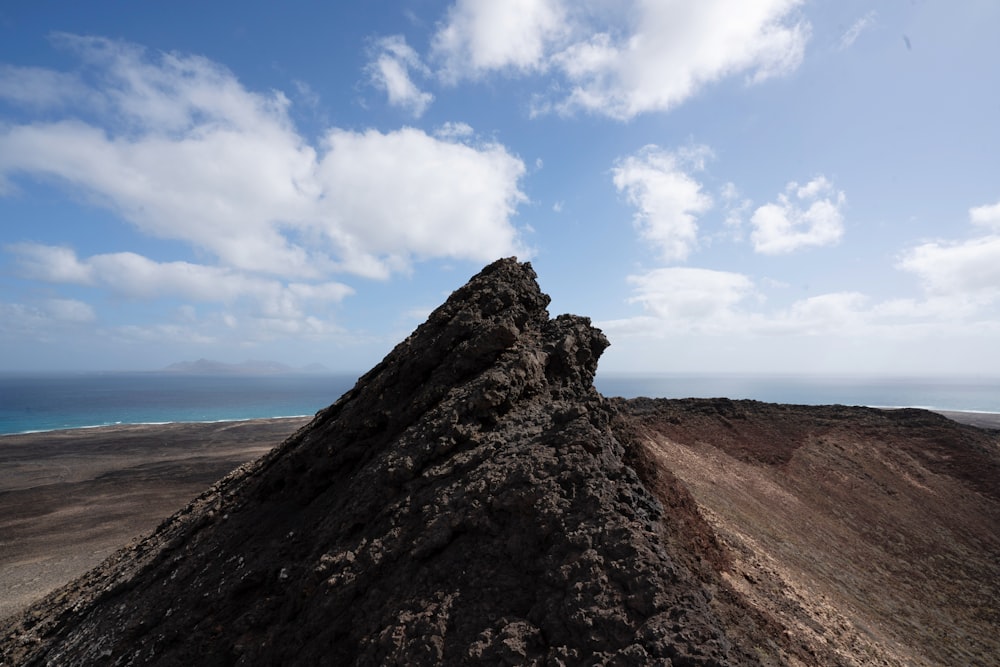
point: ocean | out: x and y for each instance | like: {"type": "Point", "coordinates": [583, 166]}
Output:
{"type": "Point", "coordinates": [48, 402]}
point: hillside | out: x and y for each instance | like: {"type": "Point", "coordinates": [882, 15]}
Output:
{"type": "Point", "coordinates": [474, 500]}
{"type": "Point", "coordinates": [471, 500]}
{"type": "Point", "coordinates": [872, 535]}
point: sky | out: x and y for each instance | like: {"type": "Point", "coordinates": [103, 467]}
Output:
{"type": "Point", "coordinates": [727, 186]}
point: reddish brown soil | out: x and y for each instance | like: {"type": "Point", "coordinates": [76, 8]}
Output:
{"type": "Point", "coordinates": [872, 536]}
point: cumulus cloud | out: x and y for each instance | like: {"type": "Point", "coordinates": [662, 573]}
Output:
{"type": "Point", "coordinates": [672, 50]}
{"type": "Point", "coordinates": [448, 199]}
{"type": "Point", "coordinates": [960, 280]}
{"type": "Point", "coordinates": [390, 72]}
{"type": "Point", "coordinates": [54, 264]}
{"type": "Point", "coordinates": [722, 303]}
{"type": "Point", "coordinates": [454, 131]}
{"type": "Point", "coordinates": [190, 154]}
{"type": "Point", "coordinates": [684, 297]}
{"type": "Point", "coordinates": [131, 275]}
{"type": "Point", "coordinates": [478, 37]}
{"type": "Point", "coordinates": [39, 321]}
{"type": "Point", "coordinates": [986, 216]}
{"type": "Point", "coordinates": [804, 216]}
{"type": "Point", "coordinates": [966, 271]}
{"type": "Point", "coordinates": [621, 59]}
{"type": "Point", "coordinates": [667, 199]}
{"type": "Point", "coordinates": [821, 314]}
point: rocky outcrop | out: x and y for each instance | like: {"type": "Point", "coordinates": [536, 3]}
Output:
{"type": "Point", "coordinates": [472, 500]}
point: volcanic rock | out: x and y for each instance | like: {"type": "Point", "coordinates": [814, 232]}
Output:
{"type": "Point", "coordinates": [472, 500]}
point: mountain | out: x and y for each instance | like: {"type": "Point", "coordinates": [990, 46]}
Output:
{"type": "Point", "coordinates": [474, 500]}
{"type": "Point", "coordinates": [249, 367]}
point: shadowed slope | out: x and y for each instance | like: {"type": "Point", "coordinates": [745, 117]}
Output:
{"type": "Point", "coordinates": [467, 502]}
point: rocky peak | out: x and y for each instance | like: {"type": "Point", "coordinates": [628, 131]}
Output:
{"type": "Point", "coordinates": [472, 500]}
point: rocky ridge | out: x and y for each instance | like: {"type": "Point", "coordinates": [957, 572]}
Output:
{"type": "Point", "coordinates": [473, 500]}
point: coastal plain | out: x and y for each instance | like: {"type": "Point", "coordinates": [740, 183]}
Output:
{"type": "Point", "coordinates": [69, 499]}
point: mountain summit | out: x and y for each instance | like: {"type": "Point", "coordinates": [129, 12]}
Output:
{"type": "Point", "coordinates": [472, 499]}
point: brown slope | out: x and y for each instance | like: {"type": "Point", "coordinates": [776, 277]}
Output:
{"type": "Point", "coordinates": [469, 501]}
{"type": "Point", "coordinates": [872, 534]}
{"type": "Point", "coordinates": [69, 499]}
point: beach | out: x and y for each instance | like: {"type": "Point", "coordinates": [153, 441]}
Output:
{"type": "Point", "coordinates": [990, 420]}
{"type": "Point", "coordinates": [69, 499]}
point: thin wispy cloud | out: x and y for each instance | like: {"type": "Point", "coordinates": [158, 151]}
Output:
{"type": "Point", "coordinates": [851, 35]}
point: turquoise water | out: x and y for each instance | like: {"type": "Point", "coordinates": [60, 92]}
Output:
{"type": "Point", "coordinates": [47, 402]}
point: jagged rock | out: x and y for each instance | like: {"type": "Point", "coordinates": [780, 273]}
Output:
{"type": "Point", "coordinates": [471, 500]}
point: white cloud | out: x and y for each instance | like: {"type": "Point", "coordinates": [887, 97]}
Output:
{"type": "Point", "coordinates": [963, 273]}
{"type": "Point", "coordinates": [736, 207]}
{"type": "Point", "coordinates": [390, 71]}
{"type": "Point", "coordinates": [986, 216]}
{"type": "Point", "coordinates": [163, 334]}
{"type": "Point", "coordinates": [969, 269]}
{"type": "Point", "coordinates": [672, 50]}
{"type": "Point", "coordinates": [961, 281]}
{"type": "Point", "coordinates": [821, 314]}
{"type": "Point", "coordinates": [52, 264]}
{"type": "Point", "coordinates": [725, 304]}
{"type": "Point", "coordinates": [448, 199]}
{"type": "Point", "coordinates": [196, 157]}
{"type": "Point", "coordinates": [477, 37]}
{"type": "Point", "coordinates": [804, 216]}
{"type": "Point", "coordinates": [691, 298]}
{"type": "Point", "coordinates": [69, 310]}
{"type": "Point", "coordinates": [666, 198]}
{"type": "Point", "coordinates": [42, 320]}
{"type": "Point", "coordinates": [134, 276]}
{"type": "Point", "coordinates": [173, 93]}
{"type": "Point", "coordinates": [858, 27]}
{"type": "Point", "coordinates": [36, 87]}
{"type": "Point", "coordinates": [621, 59]}
{"type": "Point", "coordinates": [454, 131]}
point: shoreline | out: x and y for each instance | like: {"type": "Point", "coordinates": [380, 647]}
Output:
{"type": "Point", "coordinates": [979, 419]}
{"type": "Point", "coordinates": [88, 427]}
{"type": "Point", "coordinates": [969, 417]}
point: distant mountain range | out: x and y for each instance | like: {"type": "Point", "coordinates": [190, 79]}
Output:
{"type": "Point", "coordinates": [249, 367]}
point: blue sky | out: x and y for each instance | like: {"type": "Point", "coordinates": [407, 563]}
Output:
{"type": "Point", "coordinates": [737, 186]}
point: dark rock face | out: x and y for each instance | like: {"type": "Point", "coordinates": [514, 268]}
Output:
{"type": "Point", "coordinates": [472, 500]}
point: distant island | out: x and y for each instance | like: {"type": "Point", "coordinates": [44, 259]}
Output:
{"type": "Point", "coordinates": [249, 367]}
